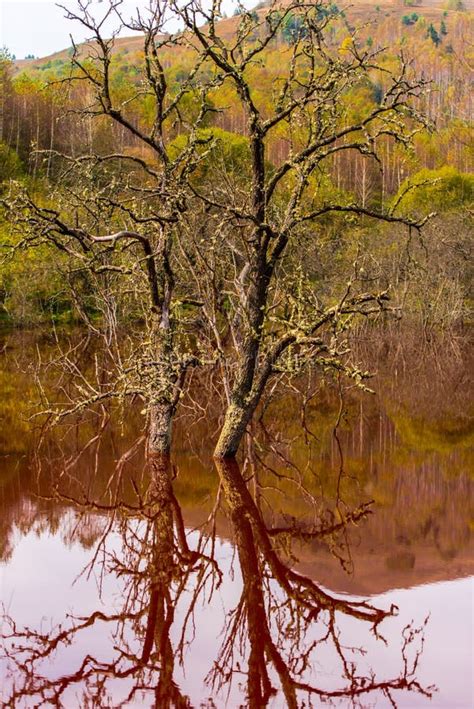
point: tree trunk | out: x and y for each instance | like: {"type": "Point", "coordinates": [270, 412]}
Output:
{"type": "Point", "coordinates": [161, 404]}
{"type": "Point", "coordinates": [243, 401]}
{"type": "Point", "coordinates": [235, 424]}
{"type": "Point", "coordinates": [159, 430]}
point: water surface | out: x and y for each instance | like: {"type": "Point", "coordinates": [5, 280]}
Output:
{"type": "Point", "coordinates": [172, 584]}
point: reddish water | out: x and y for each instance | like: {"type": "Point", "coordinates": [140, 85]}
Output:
{"type": "Point", "coordinates": [122, 589]}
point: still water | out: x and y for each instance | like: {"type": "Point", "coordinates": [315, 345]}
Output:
{"type": "Point", "coordinates": [340, 572]}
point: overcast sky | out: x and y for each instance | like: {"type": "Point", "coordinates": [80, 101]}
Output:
{"type": "Point", "coordinates": [39, 27]}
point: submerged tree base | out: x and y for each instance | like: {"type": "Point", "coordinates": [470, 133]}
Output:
{"type": "Point", "coordinates": [159, 430]}
{"type": "Point", "coordinates": [232, 432]}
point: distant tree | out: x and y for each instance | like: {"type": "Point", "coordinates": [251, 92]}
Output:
{"type": "Point", "coordinates": [10, 164]}
{"type": "Point", "coordinates": [433, 35]}
{"type": "Point", "coordinates": [293, 29]}
{"type": "Point", "coordinates": [410, 19]}
{"type": "Point", "coordinates": [5, 86]}
{"type": "Point", "coordinates": [446, 187]}
{"type": "Point", "coordinates": [6, 55]}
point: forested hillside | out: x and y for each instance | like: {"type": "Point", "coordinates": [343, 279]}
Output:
{"type": "Point", "coordinates": [436, 36]}
{"type": "Point", "coordinates": [44, 116]}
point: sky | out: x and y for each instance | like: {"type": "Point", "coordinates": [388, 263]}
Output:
{"type": "Point", "coordinates": [39, 27]}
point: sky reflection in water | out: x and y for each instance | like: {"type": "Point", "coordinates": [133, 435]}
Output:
{"type": "Point", "coordinates": [34, 573]}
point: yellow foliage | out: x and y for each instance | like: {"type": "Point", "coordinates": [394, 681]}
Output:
{"type": "Point", "coordinates": [346, 45]}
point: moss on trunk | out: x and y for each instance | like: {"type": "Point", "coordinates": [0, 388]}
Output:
{"type": "Point", "coordinates": [235, 424]}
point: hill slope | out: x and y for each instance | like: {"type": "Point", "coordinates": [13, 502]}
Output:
{"type": "Point", "coordinates": [358, 12]}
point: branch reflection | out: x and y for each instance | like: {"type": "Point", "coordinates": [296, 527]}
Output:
{"type": "Point", "coordinates": [165, 574]}
{"type": "Point", "coordinates": [155, 566]}
{"type": "Point", "coordinates": [280, 607]}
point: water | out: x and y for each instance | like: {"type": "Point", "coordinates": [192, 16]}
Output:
{"type": "Point", "coordinates": [141, 584]}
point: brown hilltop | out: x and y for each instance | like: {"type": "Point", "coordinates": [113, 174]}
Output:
{"type": "Point", "coordinates": [357, 11]}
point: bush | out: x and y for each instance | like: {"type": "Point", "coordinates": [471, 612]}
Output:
{"type": "Point", "coordinates": [442, 190]}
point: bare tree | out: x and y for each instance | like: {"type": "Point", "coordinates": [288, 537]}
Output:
{"type": "Point", "coordinates": [265, 312]}
{"type": "Point", "coordinates": [112, 215]}
{"type": "Point", "coordinates": [235, 247]}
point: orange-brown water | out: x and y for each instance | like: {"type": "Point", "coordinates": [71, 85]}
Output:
{"type": "Point", "coordinates": [162, 577]}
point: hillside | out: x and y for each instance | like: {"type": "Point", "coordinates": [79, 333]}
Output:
{"type": "Point", "coordinates": [358, 12]}
{"type": "Point", "coordinates": [435, 40]}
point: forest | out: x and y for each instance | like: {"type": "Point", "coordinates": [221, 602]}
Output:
{"type": "Point", "coordinates": [41, 121]}
{"type": "Point", "coordinates": [235, 312]}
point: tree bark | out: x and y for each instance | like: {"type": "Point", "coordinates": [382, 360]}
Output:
{"type": "Point", "coordinates": [235, 424]}
{"type": "Point", "coordinates": [243, 398]}
{"type": "Point", "coordinates": [159, 430]}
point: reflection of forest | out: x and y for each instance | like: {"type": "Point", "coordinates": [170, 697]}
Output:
{"type": "Point", "coordinates": [409, 448]}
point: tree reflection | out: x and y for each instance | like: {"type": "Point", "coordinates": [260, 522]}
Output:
{"type": "Point", "coordinates": [164, 571]}
{"type": "Point", "coordinates": [156, 565]}
{"type": "Point", "coordinates": [279, 606]}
